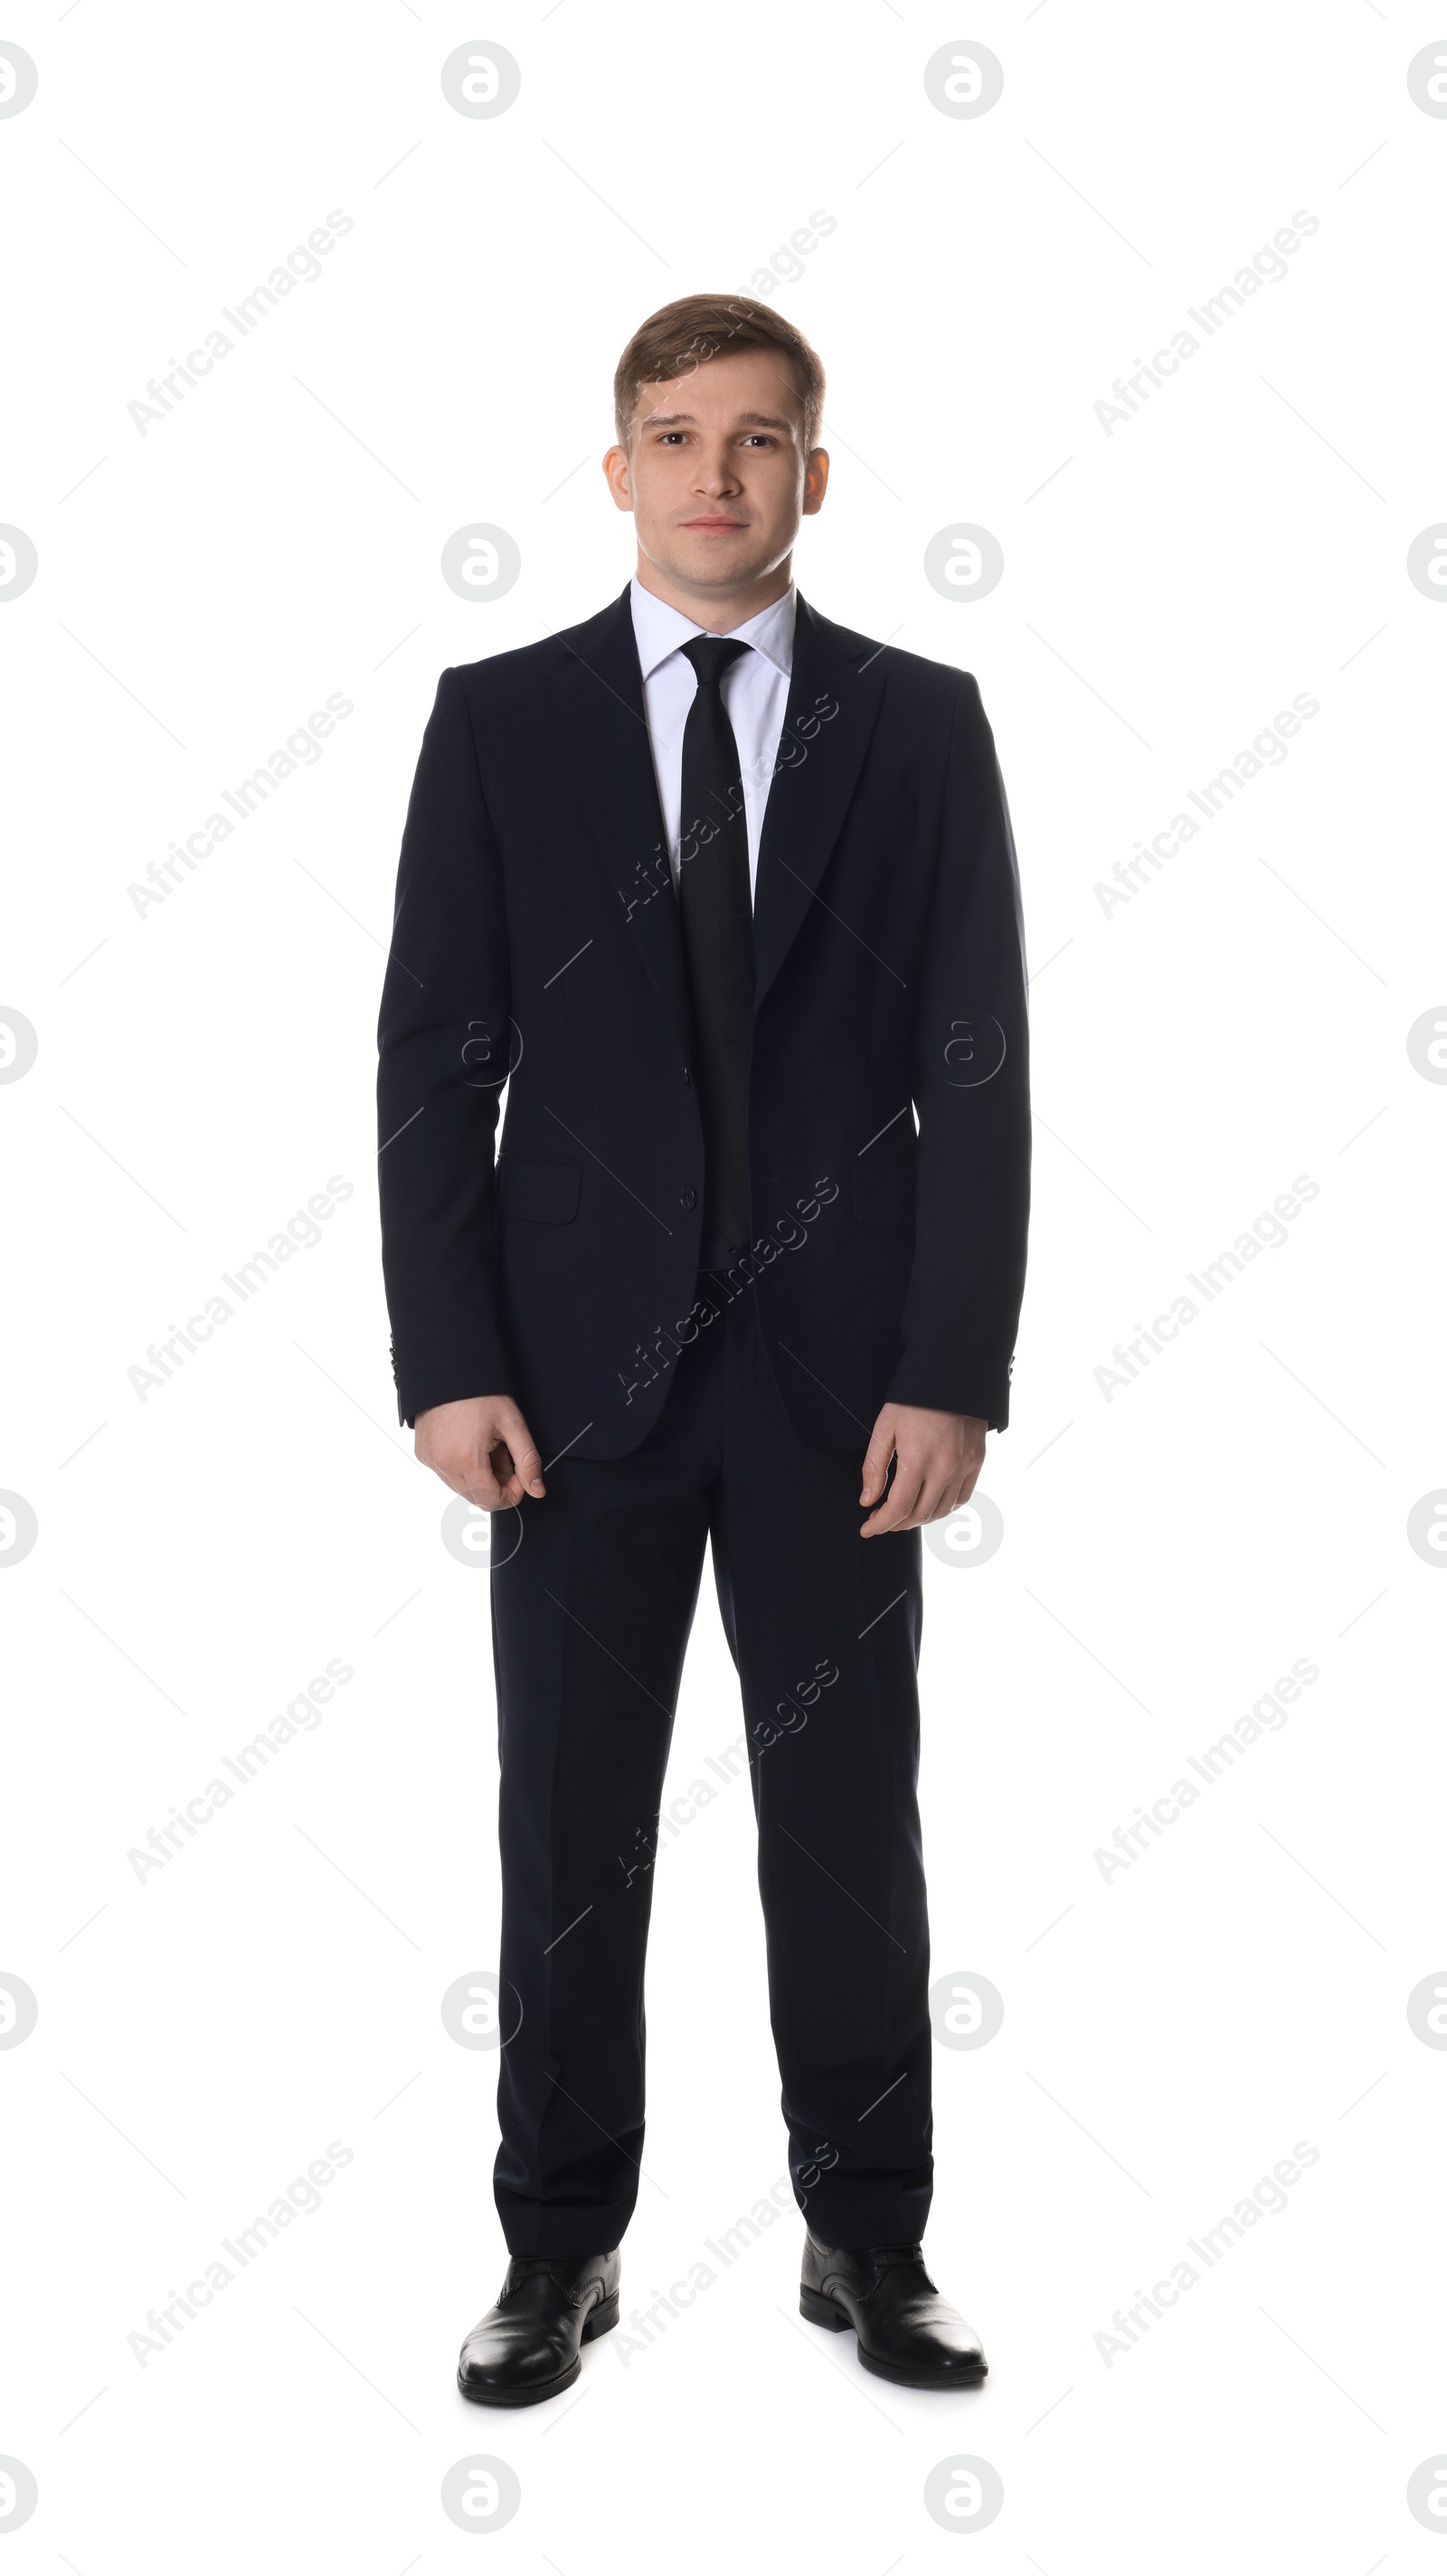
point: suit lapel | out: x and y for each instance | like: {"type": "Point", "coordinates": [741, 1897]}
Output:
{"type": "Point", "coordinates": [834, 695]}
{"type": "Point", "coordinates": [601, 689]}
{"type": "Point", "coordinates": [835, 690]}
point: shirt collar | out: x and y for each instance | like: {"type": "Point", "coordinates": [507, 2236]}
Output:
{"type": "Point", "coordinates": [660, 630]}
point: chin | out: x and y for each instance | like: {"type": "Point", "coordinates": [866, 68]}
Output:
{"type": "Point", "coordinates": [720, 562]}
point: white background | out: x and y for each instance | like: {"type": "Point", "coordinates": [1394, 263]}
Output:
{"type": "Point", "coordinates": [206, 1066]}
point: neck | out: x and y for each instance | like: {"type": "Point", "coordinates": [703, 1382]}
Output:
{"type": "Point", "coordinates": [716, 616]}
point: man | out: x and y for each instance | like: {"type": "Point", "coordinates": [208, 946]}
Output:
{"type": "Point", "coordinates": [725, 895]}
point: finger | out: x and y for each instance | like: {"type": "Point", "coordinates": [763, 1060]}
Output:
{"type": "Point", "coordinates": [528, 1468]}
{"type": "Point", "coordinates": [876, 1464]}
{"type": "Point", "coordinates": [506, 1482]}
{"type": "Point", "coordinates": [487, 1482]}
{"type": "Point", "coordinates": [934, 1504]}
{"type": "Point", "coordinates": [916, 1513]}
{"type": "Point", "coordinates": [522, 1454]}
{"type": "Point", "coordinates": [894, 1511]}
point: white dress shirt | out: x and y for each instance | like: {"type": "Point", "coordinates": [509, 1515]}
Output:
{"type": "Point", "coordinates": [755, 690]}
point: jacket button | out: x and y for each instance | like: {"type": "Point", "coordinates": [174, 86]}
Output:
{"type": "Point", "coordinates": [688, 1198]}
{"type": "Point", "coordinates": [687, 1075]}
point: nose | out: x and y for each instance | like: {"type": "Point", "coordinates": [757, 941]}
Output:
{"type": "Point", "coordinates": [717, 474]}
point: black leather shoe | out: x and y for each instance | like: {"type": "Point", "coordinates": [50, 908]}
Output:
{"type": "Point", "coordinates": [906, 2331]}
{"type": "Point", "coordinates": [527, 2347]}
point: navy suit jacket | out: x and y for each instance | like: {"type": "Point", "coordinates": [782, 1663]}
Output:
{"type": "Point", "coordinates": [537, 950]}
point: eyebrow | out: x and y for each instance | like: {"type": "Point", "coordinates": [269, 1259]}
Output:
{"type": "Point", "coordinates": [689, 420]}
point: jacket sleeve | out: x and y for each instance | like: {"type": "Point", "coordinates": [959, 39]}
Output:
{"type": "Point", "coordinates": [971, 1095]}
{"type": "Point", "coordinates": [444, 1045]}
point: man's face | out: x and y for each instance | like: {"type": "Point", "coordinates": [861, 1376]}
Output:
{"type": "Point", "coordinates": [716, 474]}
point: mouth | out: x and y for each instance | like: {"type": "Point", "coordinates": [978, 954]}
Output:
{"type": "Point", "coordinates": [716, 527]}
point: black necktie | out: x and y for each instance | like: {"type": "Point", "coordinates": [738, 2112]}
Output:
{"type": "Point", "coordinates": [718, 942]}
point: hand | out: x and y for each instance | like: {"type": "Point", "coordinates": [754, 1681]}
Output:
{"type": "Point", "coordinates": [482, 1448]}
{"type": "Point", "coordinates": [938, 1457]}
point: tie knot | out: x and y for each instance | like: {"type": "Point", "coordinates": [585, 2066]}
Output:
{"type": "Point", "coordinates": [711, 656]}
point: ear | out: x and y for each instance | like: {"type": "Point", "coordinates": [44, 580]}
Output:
{"type": "Point", "coordinates": [618, 477]}
{"type": "Point", "coordinates": [816, 480]}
